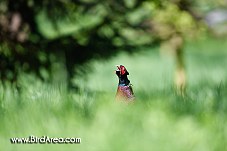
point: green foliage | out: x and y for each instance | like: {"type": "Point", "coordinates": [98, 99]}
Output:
{"type": "Point", "coordinates": [76, 31]}
{"type": "Point", "coordinates": [114, 21]}
{"type": "Point", "coordinates": [204, 6]}
{"type": "Point", "coordinates": [95, 27]}
{"type": "Point", "coordinates": [159, 119]}
{"type": "Point", "coordinates": [168, 18]}
{"type": "Point", "coordinates": [77, 24]}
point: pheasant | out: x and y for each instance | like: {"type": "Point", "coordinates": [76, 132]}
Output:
{"type": "Point", "coordinates": [124, 90]}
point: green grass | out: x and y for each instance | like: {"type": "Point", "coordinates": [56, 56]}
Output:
{"type": "Point", "coordinates": [160, 120]}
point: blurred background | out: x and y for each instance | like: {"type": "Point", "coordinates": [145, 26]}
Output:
{"type": "Point", "coordinates": [57, 62]}
{"type": "Point", "coordinates": [56, 40]}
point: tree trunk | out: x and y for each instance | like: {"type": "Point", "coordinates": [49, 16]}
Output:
{"type": "Point", "coordinates": [180, 76]}
{"type": "Point", "coordinates": [174, 46]}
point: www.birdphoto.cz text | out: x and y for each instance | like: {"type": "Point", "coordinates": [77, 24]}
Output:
{"type": "Point", "coordinates": [45, 140]}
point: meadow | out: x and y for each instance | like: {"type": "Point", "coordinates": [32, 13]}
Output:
{"type": "Point", "coordinates": [159, 120]}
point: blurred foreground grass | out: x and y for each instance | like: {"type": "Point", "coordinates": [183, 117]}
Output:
{"type": "Point", "coordinates": [159, 120]}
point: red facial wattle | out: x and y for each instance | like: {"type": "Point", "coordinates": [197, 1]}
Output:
{"type": "Point", "coordinates": [122, 70]}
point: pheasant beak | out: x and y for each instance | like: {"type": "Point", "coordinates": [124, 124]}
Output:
{"type": "Point", "coordinates": [118, 67]}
